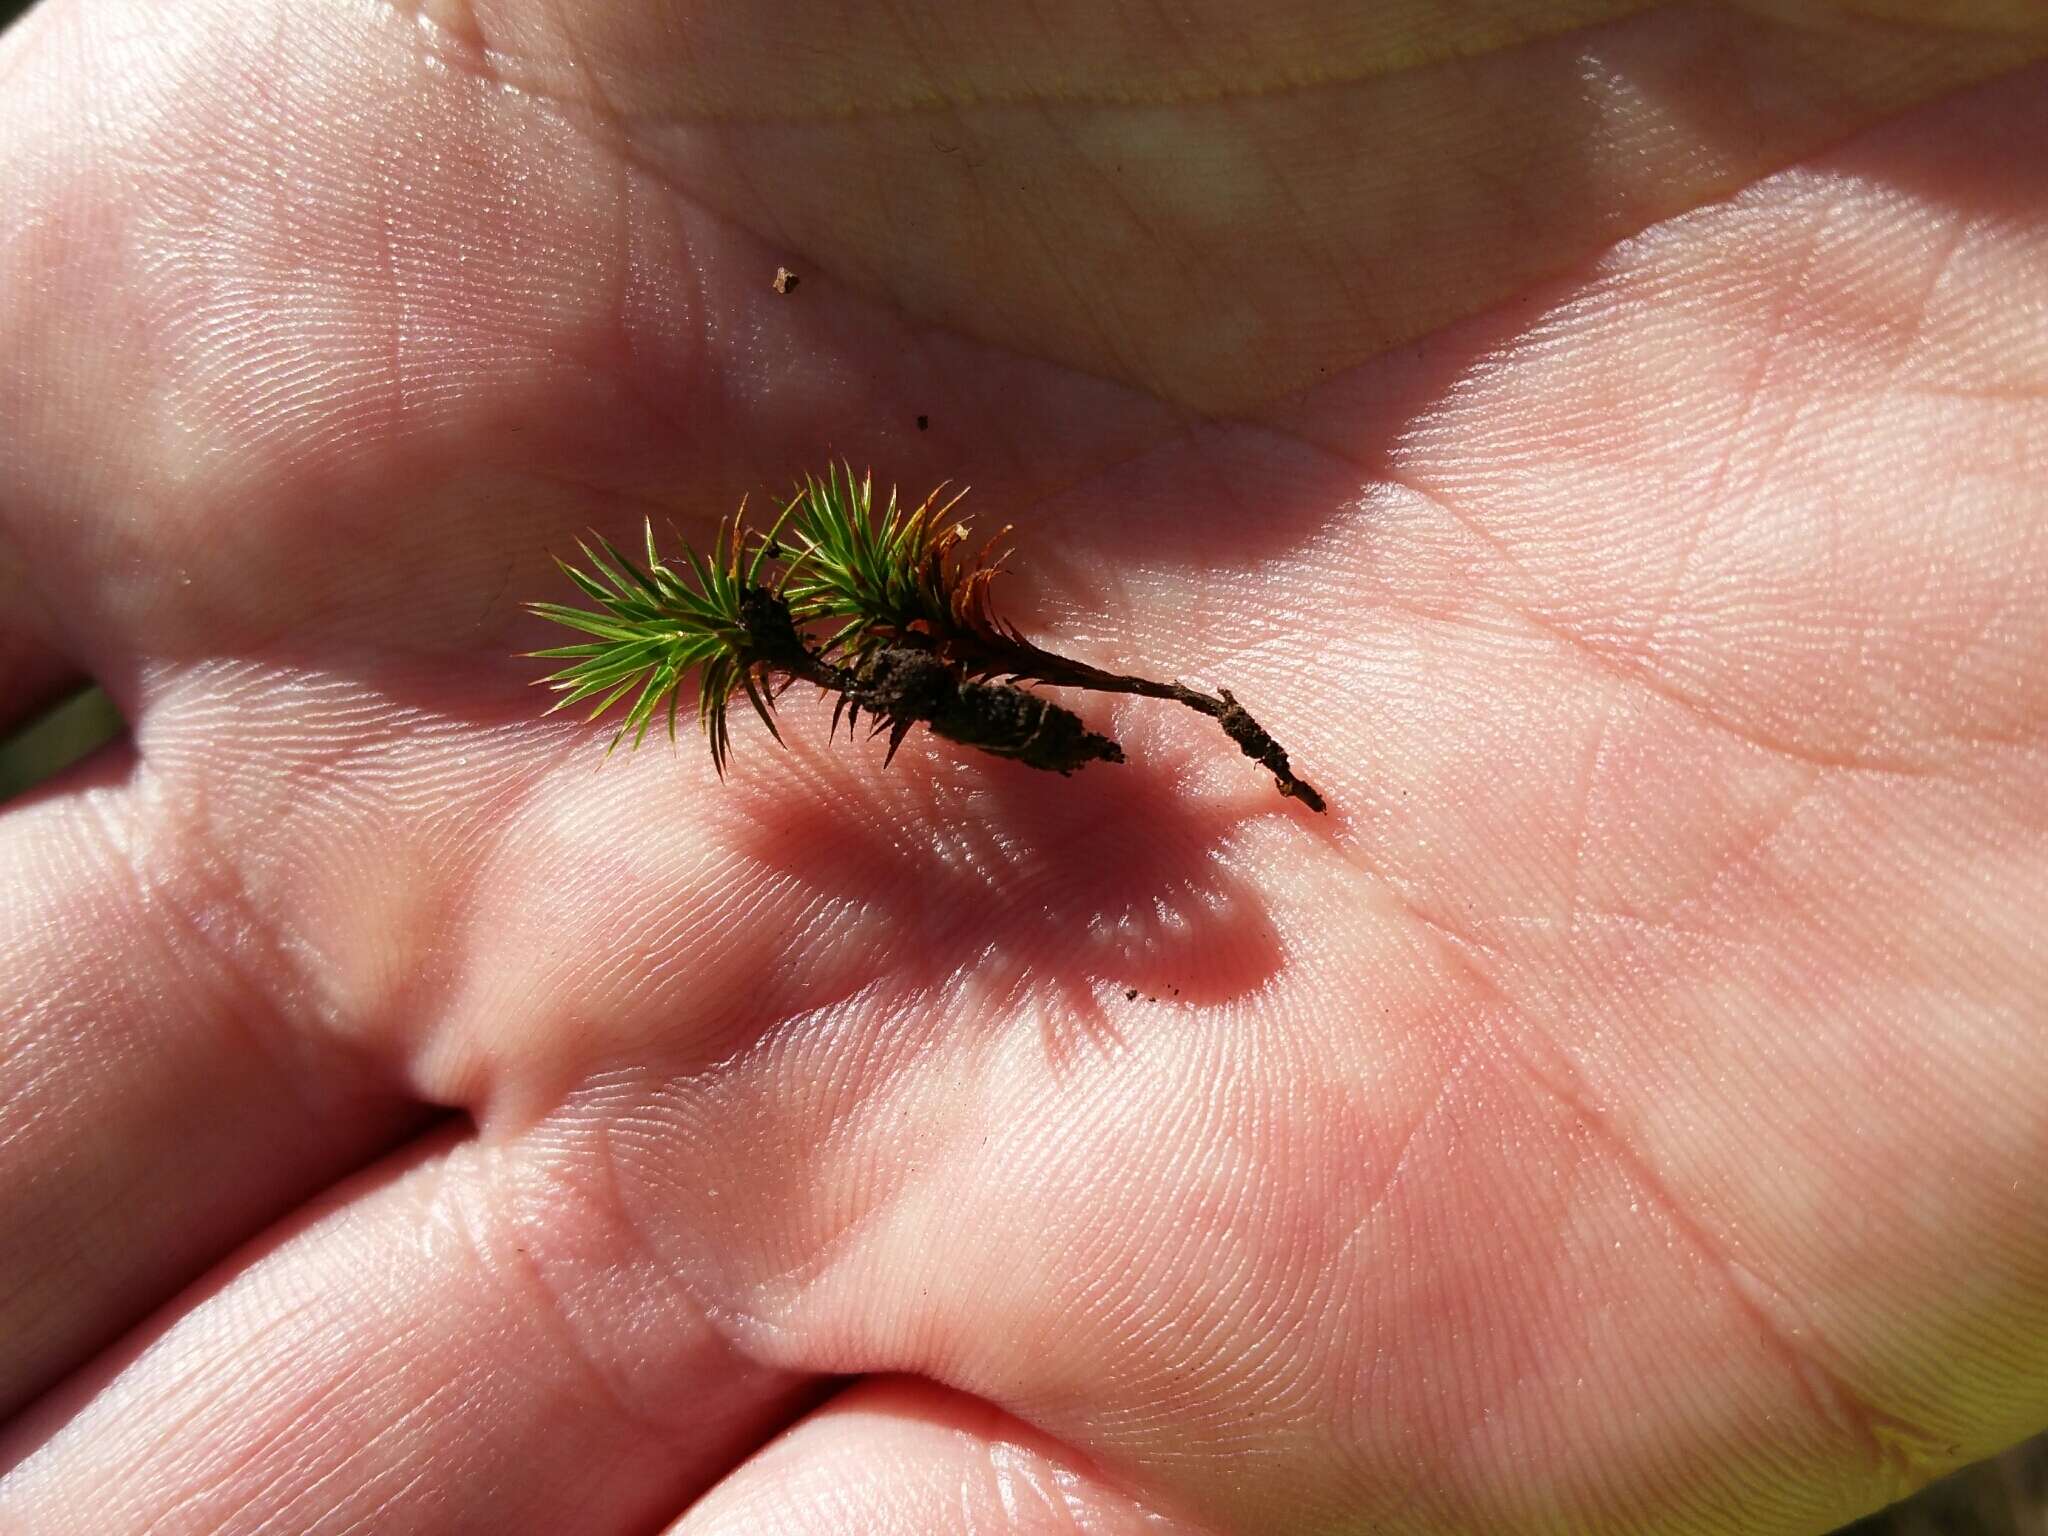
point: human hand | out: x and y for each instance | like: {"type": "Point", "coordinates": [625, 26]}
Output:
{"type": "Point", "coordinates": [1622, 1113]}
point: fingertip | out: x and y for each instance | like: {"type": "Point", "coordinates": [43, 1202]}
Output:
{"type": "Point", "coordinates": [904, 1454]}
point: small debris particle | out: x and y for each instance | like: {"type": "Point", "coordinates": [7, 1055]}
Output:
{"type": "Point", "coordinates": [1131, 993]}
{"type": "Point", "coordinates": [786, 280]}
{"type": "Point", "coordinates": [924, 423]}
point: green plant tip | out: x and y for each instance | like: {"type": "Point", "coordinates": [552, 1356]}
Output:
{"type": "Point", "coordinates": [878, 603]}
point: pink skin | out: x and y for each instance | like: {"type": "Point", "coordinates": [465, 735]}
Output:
{"type": "Point", "coordinates": [1610, 460]}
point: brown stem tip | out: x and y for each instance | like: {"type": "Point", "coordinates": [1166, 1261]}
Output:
{"type": "Point", "coordinates": [1252, 740]}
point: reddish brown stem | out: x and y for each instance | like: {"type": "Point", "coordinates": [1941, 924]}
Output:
{"type": "Point", "coordinates": [1020, 658]}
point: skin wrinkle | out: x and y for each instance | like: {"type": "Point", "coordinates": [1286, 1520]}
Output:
{"type": "Point", "coordinates": [1157, 240]}
{"type": "Point", "coordinates": [458, 20]}
{"type": "Point", "coordinates": [599, 100]}
{"type": "Point", "coordinates": [1958, 231]}
{"type": "Point", "coordinates": [1080, 296]}
{"type": "Point", "coordinates": [749, 1328]}
{"type": "Point", "coordinates": [259, 963]}
{"type": "Point", "coordinates": [2017, 394]}
{"type": "Point", "coordinates": [1750, 851]}
{"type": "Point", "coordinates": [1674, 927]}
{"type": "Point", "coordinates": [394, 314]}
{"type": "Point", "coordinates": [1647, 680]}
{"type": "Point", "coordinates": [2014, 599]}
{"type": "Point", "coordinates": [823, 1254]}
{"type": "Point", "coordinates": [1520, 219]}
{"type": "Point", "coordinates": [952, 100]}
{"type": "Point", "coordinates": [897, 12]}
{"type": "Point", "coordinates": [523, 1275]}
{"type": "Point", "coordinates": [458, 45]}
{"type": "Point", "coordinates": [223, 1370]}
{"type": "Point", "coordinates": [246, 1454]}
{"type": "Point", "coordinates": [1749, 400]}
{"type": "Point", "coordinates": [1168, 16]}
{"type": "Point", "coordinates": [446, 1398]}
{"type": "Point", "coordinates": [1902, 1453]}
{"type": "Point", "coordinates": [418, 987]}
{"type": "Point", "coordinates": [252, 974]}
{"type": "Point", "coordinates": [1438, 47]}
{"type": "Point", "coordinates": [1589, 775]}
{"type": "Point", "coordinates": [1399, 1164]}
{"type": "Point", "coordinates": [994, 1432]}
{"type": "Point", "coordinates": [1463, 942]}
{"type": "Point", "coordinates": [1884, 1438]}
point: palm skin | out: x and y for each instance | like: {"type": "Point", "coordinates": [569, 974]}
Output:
{"type": "Point", "coordinates": [1608, 456]}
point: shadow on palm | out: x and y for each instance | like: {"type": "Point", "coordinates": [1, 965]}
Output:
{"type": "Point", "coordinates": [1047, 897]}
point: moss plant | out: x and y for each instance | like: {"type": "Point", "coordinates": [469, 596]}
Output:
{"type": "Point", "coordinates": [882, 607]}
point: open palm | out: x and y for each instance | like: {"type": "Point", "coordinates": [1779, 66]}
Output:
{"type": "Point", "coordinates": [1608, 455]}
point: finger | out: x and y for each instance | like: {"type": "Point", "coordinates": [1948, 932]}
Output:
{"type": "Point", "coordinates": [468, 1338]}
{"type": "Point", "coordinates": [155, 1105]}
{"type": "Point", "coordinates": [1570, 136]}
{"type": "Point", "coordinates": [901, 1455]}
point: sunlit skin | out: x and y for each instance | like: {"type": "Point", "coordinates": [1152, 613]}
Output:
{"type": "Point", "coordinates": [1606, 443]}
